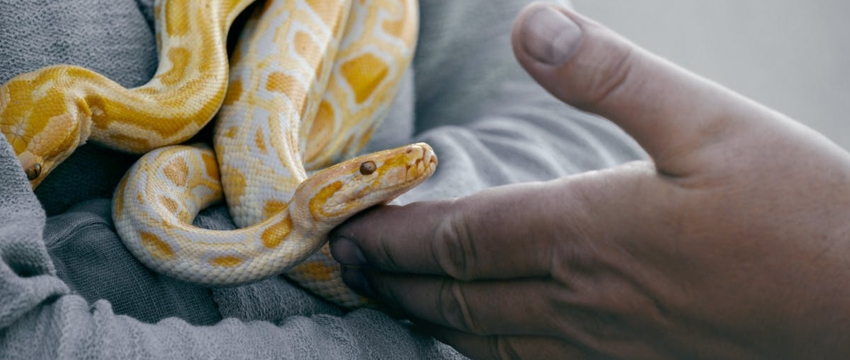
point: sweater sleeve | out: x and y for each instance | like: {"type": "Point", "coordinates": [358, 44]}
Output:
{"type": "Point", "coordinates": [42, 318]}
{"type": "Point", "coordinates": [68, 288]}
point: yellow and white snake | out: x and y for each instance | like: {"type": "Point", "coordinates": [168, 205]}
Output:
{"type": "Point", "coordinates": [304, 89]}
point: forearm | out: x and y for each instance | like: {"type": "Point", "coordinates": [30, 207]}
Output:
{"type": "Point", "coordinates": [41, 317]}
{"type": "Point", "coordinates": [68, 327]}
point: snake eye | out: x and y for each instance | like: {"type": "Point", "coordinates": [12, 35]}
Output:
{"type": "Point", "coordinates": [368, 167]}
{"type": "Point", "coordinates": [33, 172]}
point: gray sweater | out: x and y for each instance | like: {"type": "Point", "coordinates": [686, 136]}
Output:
{"type": "Point", "coordinates": [69, 288]}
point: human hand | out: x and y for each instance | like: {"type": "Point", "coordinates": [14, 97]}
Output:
{"type": "Point", "coordinates": [731, 243]}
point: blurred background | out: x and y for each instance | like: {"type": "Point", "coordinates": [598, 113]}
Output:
{"type": "Point", "coordinates": [793, 56]}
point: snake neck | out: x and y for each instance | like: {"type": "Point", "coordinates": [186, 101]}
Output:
{"type": "Point", "coordinates": [47, 113]}
{"type": "Point", "coordinates": [187, 89]}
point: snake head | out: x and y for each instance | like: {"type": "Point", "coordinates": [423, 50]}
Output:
{"type": "Point", "coordinates": [338, 192]}
{"type": "Point", "coordinates": [41, 123]}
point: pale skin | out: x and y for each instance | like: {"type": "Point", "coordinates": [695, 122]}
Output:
{"type": "Point", "coordinates": [733, 242]}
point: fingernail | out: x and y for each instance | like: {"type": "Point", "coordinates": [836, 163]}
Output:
{"type": "Point", "coordinates": [549, 36]}
{"type": "Point", "coordinates": [355, 279]}
{"type": "Point", "coordinates": [346, 252]}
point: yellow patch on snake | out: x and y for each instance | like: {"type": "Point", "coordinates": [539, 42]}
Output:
{"type": "Point", "coordinates": [231, 132]}
{"type": "Point", "coordinates": [272, 207]}
{"type": "Point", "coordinates": [285, 84]}
{"type": "Point", "coordinates": [131, 141]}
{"type": "Point", "coordinates": [275, 234]}
{"type": "Point", "coordinates": [177, 13]}
{"type": "Point", "coordinates": [211, 166]}
{"type": "Point", "coordinates": [326, 12]}
{"type": "Point", "coordinates": [260, 141]}
{"type": "Point", "coordinates": [321, 197]}
{"type": "Point", "coordinates": [308, 49]}
{"type": "Point", "coordinates": [320, 131]}
{"type": "Point", "coordinates": [364, 73]}
{"type": "Point", "coordinates": [235, 182]}
{"type": "Point", "coordinates": [234, 92]}
{"type": "Point", "coordinates": [226, 261]}
{"type": "Point", "coordinates": [177, 171]}
{"type": "Point", "coordinates": [171, 205]}
{"type": "Point", "coordinates": [395, 27]}
{"type": "Point", "coordinates": [319, 68]}
{"type": "Point", "coordinates": [157, 248]}
{"type": "Point", "coordinates": [179, 58]}
{"type": "Point", "coordinates": [316, 271]}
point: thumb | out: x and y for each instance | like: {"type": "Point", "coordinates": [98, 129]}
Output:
{"type": "Point", "coordinates": [669, 111]}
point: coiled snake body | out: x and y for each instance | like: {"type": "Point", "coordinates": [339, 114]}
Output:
{"type": "Point", "coordinates": [309, 81]}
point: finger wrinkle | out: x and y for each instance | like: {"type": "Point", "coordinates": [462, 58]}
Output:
{"type": "Point", "coordinates": [502, 347]}
{"type": "Point", "coordinates": [612, 80]}
{"type": "Point", "coordinates": [385, 259]}
{"type": "Point", "coordinates": [453, 246]}
{"type": "Point", "coordinates": [454, 308]}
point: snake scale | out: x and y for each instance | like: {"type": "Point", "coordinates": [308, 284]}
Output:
{"type": "Point", "coordinates": [300, 95]}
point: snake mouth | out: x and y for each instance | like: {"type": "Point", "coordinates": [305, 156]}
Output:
{"type": "Point", "coordinates": [413, 175]}
{"type": "Point", "coordinates": [430, 159]}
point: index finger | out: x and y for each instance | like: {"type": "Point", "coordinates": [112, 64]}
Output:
{"type": "Point", "coordinates": [468, 238]}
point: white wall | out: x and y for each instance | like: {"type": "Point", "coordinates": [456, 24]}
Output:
{"type": "Point", "coordinates": [793, 56]}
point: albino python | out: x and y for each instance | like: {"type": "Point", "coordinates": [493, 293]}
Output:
{"type": "Point", "coordinates": [308, 83]}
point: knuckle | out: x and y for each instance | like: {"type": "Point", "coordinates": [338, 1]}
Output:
{"type": "Point", "coordinates": [386, 256]}
{"type": "Point", "coordinates": [613, 64]}
{"type": "Point", "coordinates": [454, 308]}
{"type": "Point", "coordinates": [454, 249]}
